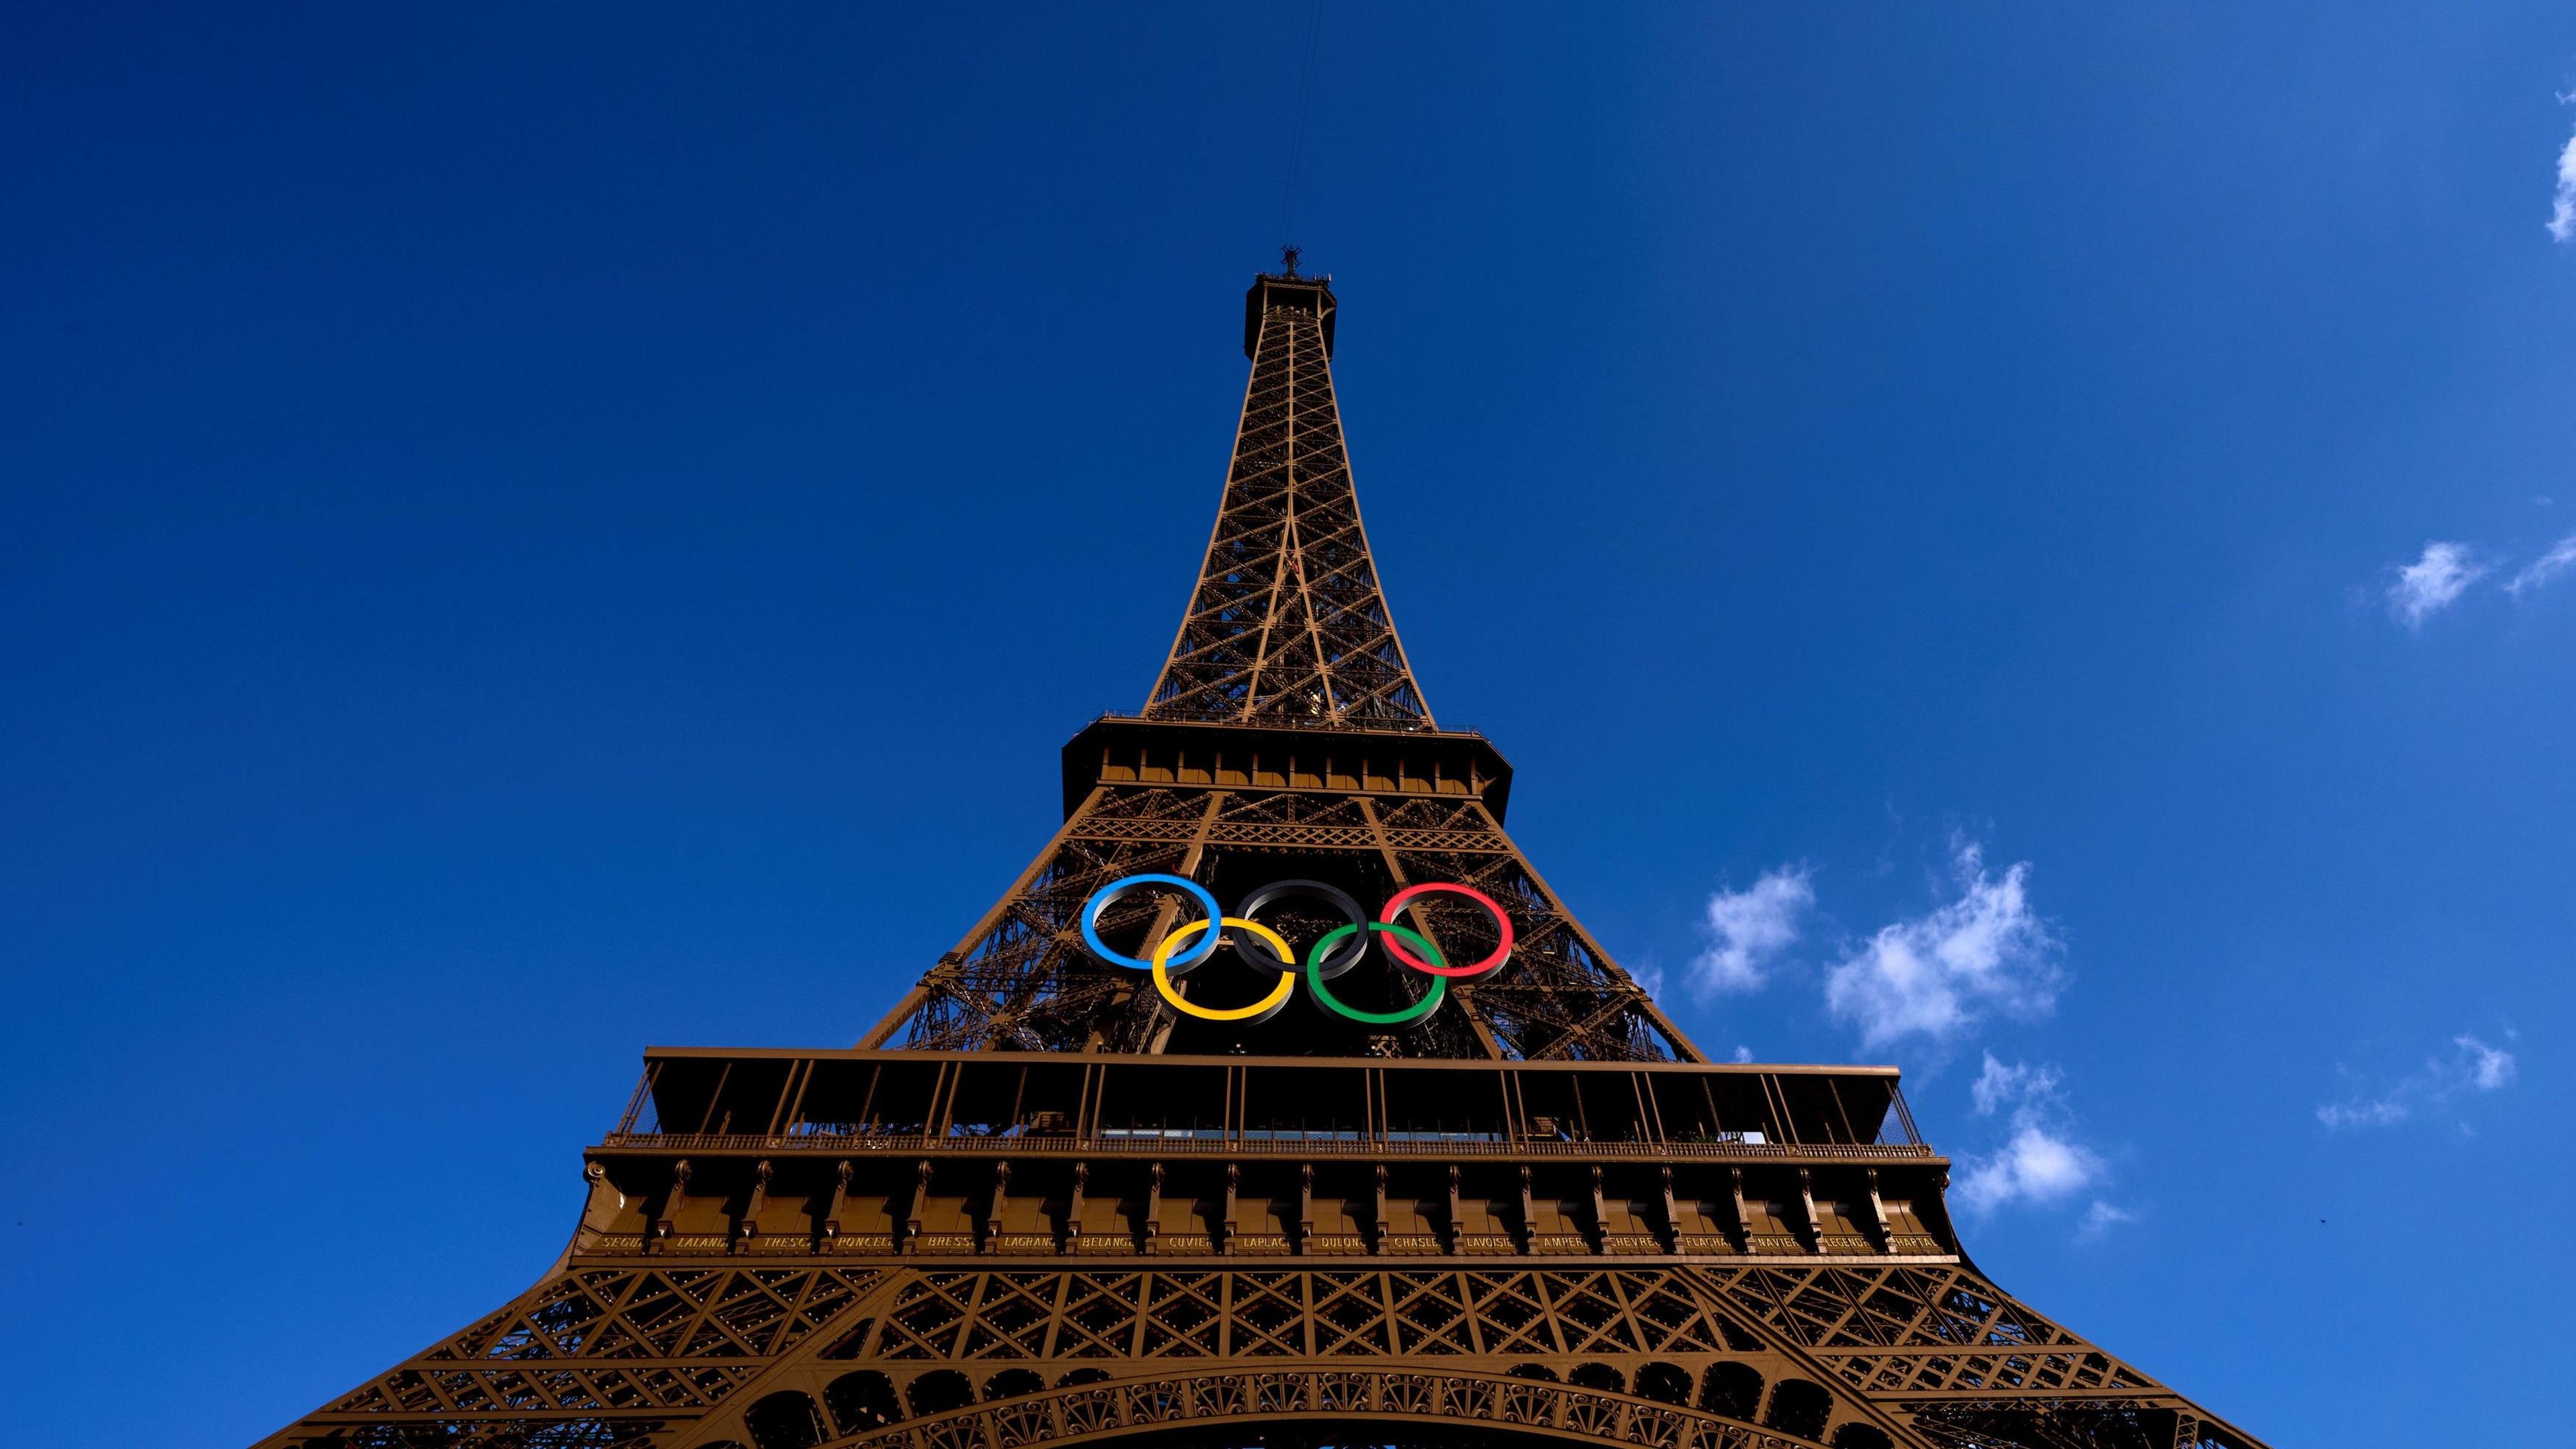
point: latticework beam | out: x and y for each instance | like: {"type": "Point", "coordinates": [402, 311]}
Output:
{"type": "Point", "coordinates": [1287, 623]}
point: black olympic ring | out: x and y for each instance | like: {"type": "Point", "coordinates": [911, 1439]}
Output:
{"type": "Point", "coordinates": [1257, 952]}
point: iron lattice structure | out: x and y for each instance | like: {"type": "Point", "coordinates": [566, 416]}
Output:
{"type": "Point", "coordinates": [1037, 1203]}
{"type": "Point", "coordinates": [1287, 622]}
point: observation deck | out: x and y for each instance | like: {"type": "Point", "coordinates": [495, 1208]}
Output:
{"type": "Point", "coordinates": [954, 1154]}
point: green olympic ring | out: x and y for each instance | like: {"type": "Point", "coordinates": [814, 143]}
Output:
{"type": "Point", "coordinates": [1316, 953]}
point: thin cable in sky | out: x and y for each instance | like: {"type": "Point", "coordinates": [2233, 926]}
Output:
{"type": "Point", "coordinates": [1297, 136]}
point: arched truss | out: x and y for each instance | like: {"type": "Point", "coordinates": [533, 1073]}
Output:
{"type": "Point", "coordinates": [1390, 1399]}
{"type": "Point", "coordinates": [674, 1354]}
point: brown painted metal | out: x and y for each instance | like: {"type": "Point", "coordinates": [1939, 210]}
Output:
{"type": "Point", "coordinates": [1287, 623]}
{"type": "Point", "coordinates": [1037, 1204]}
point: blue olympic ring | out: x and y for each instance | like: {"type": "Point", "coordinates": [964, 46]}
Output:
{"type": "Point", "coordinates": [1102, 899]}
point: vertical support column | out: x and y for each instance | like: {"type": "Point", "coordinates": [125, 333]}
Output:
{"type": "Point", "coordinates": [1600, 1214]}
{"type": "Point", "coordinates": [748, 1228]}
{"type": "Point", "coordinates": [1153, 1206]}
{"type": "Point", "coordinates": [1305, 1205]}
{"type": "Point", "coordinates": [1650, 1113]}
{"type": "Point", "coordinates": [1073, 1209]}
{"type": "Point", "coordinates": [827, 1225]}
{"type": "Point", "coordinates": [1743, 1215]}
{"type": "Point", "coordinates": [1775, 1097]}
{"type": "Point", "coordinates": [1672, 1214]}
{"type": "Point", "coordinates": [1450, 1231]}
{"type": "Point", "coordinates": [1525, 1226]}
{"type": "Point", "coordinates": [658, 1237]}
{"type": "Point", "coordinates": [943, 1098]}
{"type": "Point", "coordinates": [600, 1202]}
{"type": "Point", "coordinates": [1377, 1196]}
{"type": "Point", "coordinates": [994, 1211]}
{"type": "Point", "coordinates": [707, 1120]}
{"type": "Point", "coordinates": [1813, 1229]}
{"type": "Point", "coordinates": [1225, 1225]}
{"type": "Point", "coordinates": [1878, 1217]}
{"type": "Point", "coordinates": [790, 1089]}
{"type": "Point", "coordinates": [1095, 1086]}
{"type": "Point", "coordinates": [912, 1213]}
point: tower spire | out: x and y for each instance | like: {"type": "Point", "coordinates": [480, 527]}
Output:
{"type": "Point", "coordinates": [1288, 624]}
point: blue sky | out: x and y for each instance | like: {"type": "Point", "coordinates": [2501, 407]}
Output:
{"type": "Point", "coordinates": [2009, 540]}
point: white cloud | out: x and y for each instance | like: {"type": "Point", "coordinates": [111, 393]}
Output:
{"type": "Point", "coordinates": [1744, 1053]}
{"type": "Point", "coordinates": [2042, 1163]}
{"type": "Point", "coordinates": [1933, 976]}
{"type": "Point", "coordinates": [2544, 568]}
{"type": "Point", "coordinates": [1999, 1086]}
{"type": "Point", "coordinates": [2489, 1067]}
{"type": "Point", "coordinates": [2473, 1066]}
{"type": "Point", "coordinates": [2358, 1113]}
{"type": "Point", "coordinates": [1747, 928]}
{"type": "Point", "coordinates": [2431, 583]}
{"type": "Point", "coordinates": [2562, 209]}
{"type": "Point", "coordinates": [2101, 1218]}
{"type": "Point", "coordinates": [2037, 1166]}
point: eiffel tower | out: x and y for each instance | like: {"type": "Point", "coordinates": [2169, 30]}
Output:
{"type": "Point", "coordinates": [1429, 1172]}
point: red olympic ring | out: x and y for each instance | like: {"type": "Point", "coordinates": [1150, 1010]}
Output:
{"type": "Point", "coordinates": [1395, 948]}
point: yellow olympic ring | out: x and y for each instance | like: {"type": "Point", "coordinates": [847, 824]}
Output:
{"type": "Point", "coordinates": [1257, 1011]}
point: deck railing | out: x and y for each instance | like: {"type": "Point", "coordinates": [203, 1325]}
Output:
{"type": "Point", "coordinates": [1181, 1142]}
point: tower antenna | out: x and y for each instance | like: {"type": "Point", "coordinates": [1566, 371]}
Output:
{"type": "Point", "coordinates": [1297, 134]}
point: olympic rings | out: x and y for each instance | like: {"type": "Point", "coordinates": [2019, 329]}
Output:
{"type": "Point", "coordinates": [1104, 897]}
{"type": "Point", "coordinates": [1255, 1014]}
{"type": "Point", "coordinates": [1258, 945]}
{"type": "Point", "coordinates": [1502, 951]}
{"type": "Point", "coordinates": [1420, 1009]}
